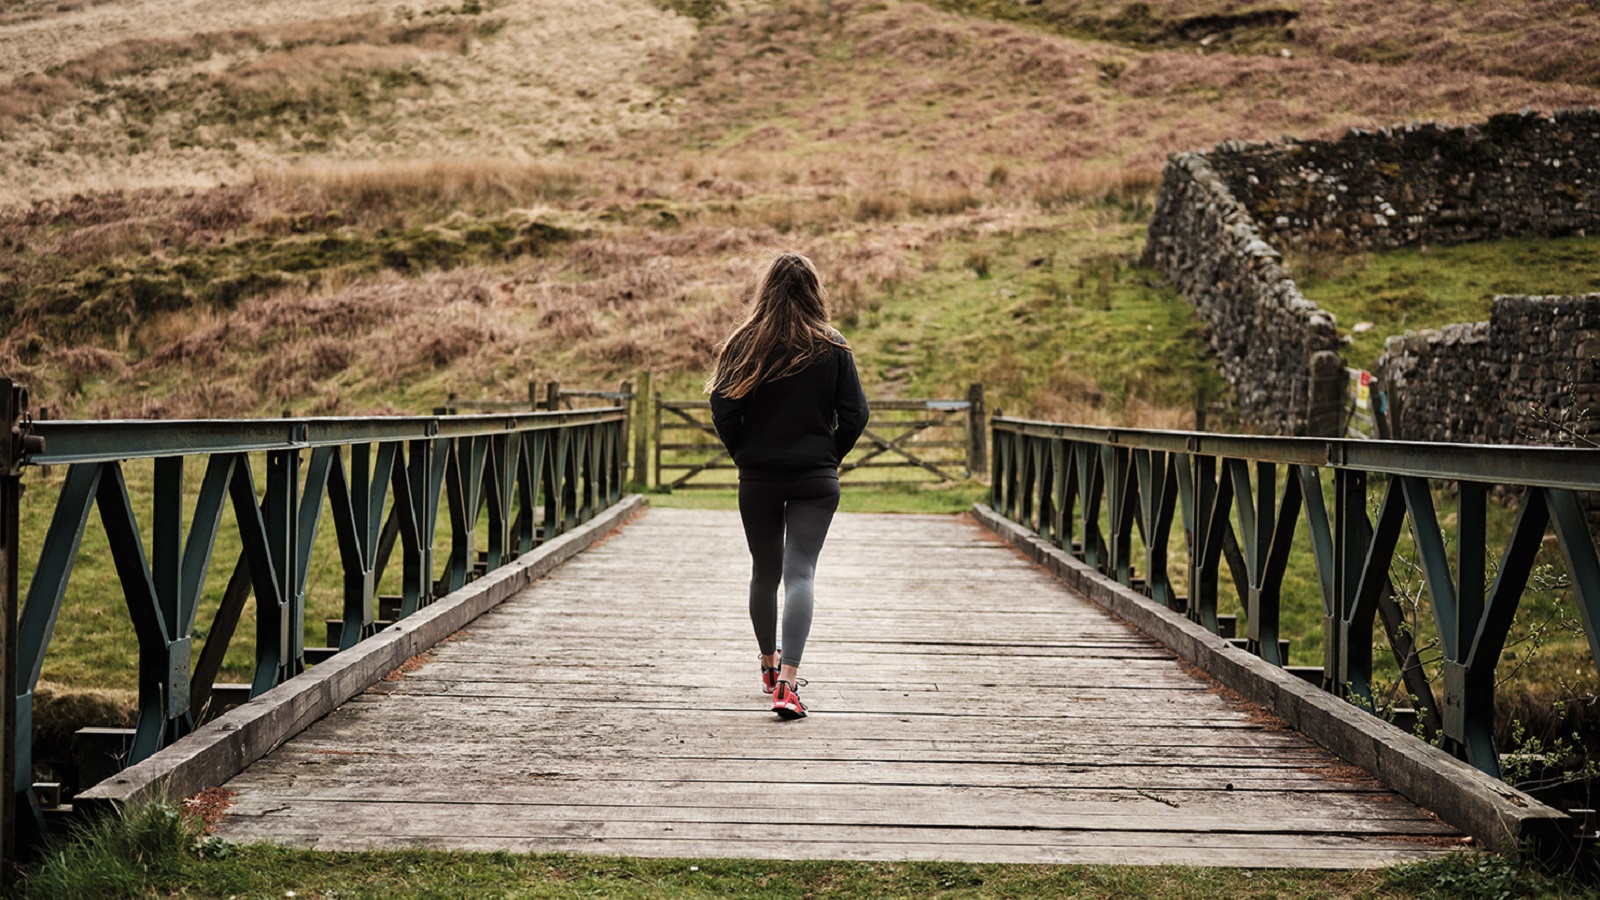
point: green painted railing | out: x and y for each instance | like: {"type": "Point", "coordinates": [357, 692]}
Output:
{"type": "Point", "coordinates": [1088, 489]}
{"type": "Point", "coordinates": [382, 480]}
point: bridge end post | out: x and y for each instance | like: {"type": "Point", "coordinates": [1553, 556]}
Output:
{"type": "Point", "coordinates": [977, 433]}
{"type": "Point", "coordinates": [13, 409]}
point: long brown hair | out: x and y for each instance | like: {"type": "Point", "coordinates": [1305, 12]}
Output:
{"type": "Point", "coordinates": [787, 329]}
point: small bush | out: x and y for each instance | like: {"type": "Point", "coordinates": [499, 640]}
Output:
{"type": "Point", "coordinates": [943, 200]}
{"type": "Point", "coordinates": [701, 11]}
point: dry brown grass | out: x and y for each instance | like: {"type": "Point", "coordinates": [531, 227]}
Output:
{"type": "Point", "coordinates": [867, 135]}
{"type": "Point", "coordinates": [33, 95]}
{"type": "Point", "coordinates": [904, 90]}
{"type": "Point", "coordinates": [59, 711]}
{"type": "Point", "coordinates": [385, 192]}
{"type": "Point", "coordinates": [305, 66]}
{"type": "Point", "coordinates": [86, 360]}
{"type": "Point", "coordinates": [1545, 40]}
{"type": "Point", "coordinates": [512, 83]}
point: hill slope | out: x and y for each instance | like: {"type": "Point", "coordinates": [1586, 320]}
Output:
{"type": "Point", "coordinates": [466, 198]}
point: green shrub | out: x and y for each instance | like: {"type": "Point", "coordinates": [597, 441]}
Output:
{"type": "Point", "coordinates": [1476, 876]}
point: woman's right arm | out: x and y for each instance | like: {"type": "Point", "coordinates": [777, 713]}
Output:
{"type": "Point", "coordinates": [849, 404]}
{"type": "Point", "coordinates": [727, 416]}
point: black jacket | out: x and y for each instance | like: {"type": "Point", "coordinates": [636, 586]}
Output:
{"type": "Point", "coordinates": [796, 427]}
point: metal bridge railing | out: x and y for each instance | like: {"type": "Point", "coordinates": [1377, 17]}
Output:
{"type": "Point", "coordinates": [524, 478]}
{"type": "Point", "coordinates": [1088, 490]}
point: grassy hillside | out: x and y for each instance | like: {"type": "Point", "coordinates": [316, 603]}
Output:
{"type": "Point", "coordinates": [463, 198]}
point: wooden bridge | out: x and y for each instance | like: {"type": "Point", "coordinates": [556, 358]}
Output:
{"type": "Point", "coordinates": [1024, 683]}
{"type": "Point", "coordinates": [966, 706]}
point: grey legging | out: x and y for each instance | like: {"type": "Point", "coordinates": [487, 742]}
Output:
{"type": "Point", "coordinates": [785, 523]}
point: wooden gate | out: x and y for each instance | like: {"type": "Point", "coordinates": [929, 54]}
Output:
{"type": "Point", "coordinates": [906, 442]}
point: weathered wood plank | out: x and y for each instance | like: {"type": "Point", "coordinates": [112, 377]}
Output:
{"type": "Point", "coordinates": [977, 803]}
{"type": "Point", "coordinates": [761, 846]}
{"type": "Point", "coordinates": [965, 707]}
{"type": "Point", "coordinates": [448, 826]}
{"type": "Point", "coordinates": [956, 824]}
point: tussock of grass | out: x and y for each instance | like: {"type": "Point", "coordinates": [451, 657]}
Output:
{"type": "Point", "coordinates": [116, 856]}
{"type": "Point", "coordinates": [398, 193]}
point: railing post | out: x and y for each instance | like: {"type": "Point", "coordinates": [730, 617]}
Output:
{"type": "Point", "coordinates": [552, 395]}
{"type": "Point", "coordinates": [641, 422]}
{"type": "Point", "coordinates": [1206, 551]}
{"type": "Point", "coordinates": [977, 453]}
{"type": "Point", "coordinates": [997, 483]}
{"type": "Point", "coordinates": [1352, 534]}
{"type": "Point", "coordinates": [278, 655]}
{"type": "Point", "coordinates": [13, 405]}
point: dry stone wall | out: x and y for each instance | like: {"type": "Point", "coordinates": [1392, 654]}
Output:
{"type": "Point", "coordinates": [1222, 214]}
{"type": "Point", "coordinates": [1531, 374]}
{"type": "Point", "coordinates": [1263, 331]}
{"type": "Point", "coordinates": [1517, 174]}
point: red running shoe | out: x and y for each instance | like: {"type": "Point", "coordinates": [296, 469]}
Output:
{"type": "Point", "coordinates": [769, 677]}
{"type": "Point", "coordinates": [786, 703]}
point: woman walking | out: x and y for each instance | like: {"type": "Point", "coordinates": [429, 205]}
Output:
{"type": "Point", "coordinates": [787, 403]}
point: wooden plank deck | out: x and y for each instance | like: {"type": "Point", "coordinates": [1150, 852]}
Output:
{"type": "Point", "coordinates": [965, 706]}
